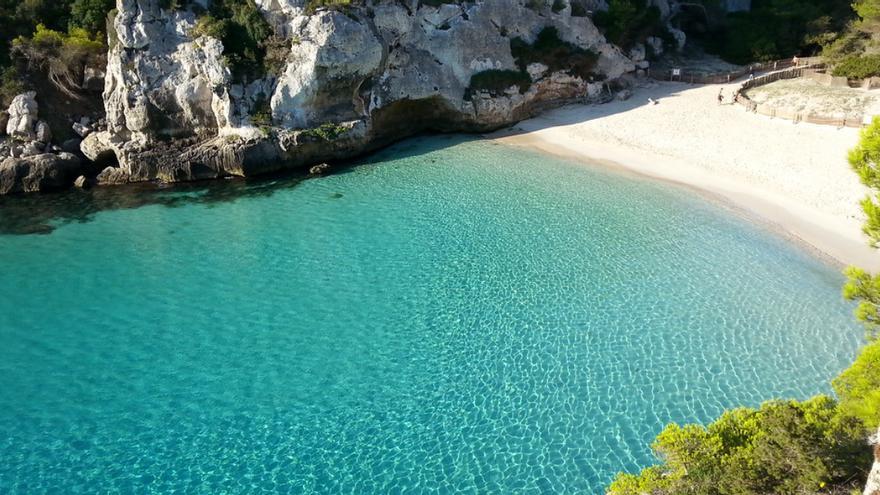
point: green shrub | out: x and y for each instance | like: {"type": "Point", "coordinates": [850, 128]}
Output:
{"type": "Point", "coordinates": [777, 29]}
{"type": "Point", "coordinates": [11, 85]}
{"type": "Point", "coordinates": [858, 67]}
{"type": "Point", "coordinates": [497, 81]}
{"type": "Point", "coordinates": [62, 57]}
{"type": "Point", "coordinates": [90, 15]}
{"type": "Point", "coordinates": [556, 54]}
{"type": "Point", "coordinates": [865, 160]}
{"type": "Point", "coordinates": [782, 447]}
{"type": "Point", "coordinates": [627, 22]}
{"type": "Point", "coordinates": [325, 132]}
{"type": "Point", "coordinates": [261, 113]}
{"type": "Point", "coordinates": [859, 387]}
{"type": "Point", "coordinates": [578, 10]}
{"type": "Point", "coordinates": [240, 26]}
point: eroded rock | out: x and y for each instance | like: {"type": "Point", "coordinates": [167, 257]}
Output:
{"type": "Point", "coordinates": [38, 173]}
{"type": "Point", "coordinates": [320, 169]}
{"type": "Point", "coordinates": [81, 182]}
{"type": "Point", "coordinates": [42, 132]}
{"type": "Point", "coordinates": [351, 82]}
{"type": "Point", "coordinates": [23, 117]}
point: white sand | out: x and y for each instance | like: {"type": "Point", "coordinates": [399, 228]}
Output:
{"type": "Point", "coordinates": [792, 176]}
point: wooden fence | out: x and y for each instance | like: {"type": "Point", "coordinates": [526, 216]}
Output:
{"type": "Point", "coordinates": [855, 120]}
{"type": "Point", "coordinates": [701, 77]}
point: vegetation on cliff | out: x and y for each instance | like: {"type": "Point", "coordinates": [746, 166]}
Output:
{"type": "Point", "coordinates": [49, 38]}
{"type": "Point", "coordinates": [548, 49]}
{"type": "Point", "coordinates": [776, 29]}
{"type": "Point", "coordinates": [249, 45]}
{"type": "Point", "coordinates": [627, 22]}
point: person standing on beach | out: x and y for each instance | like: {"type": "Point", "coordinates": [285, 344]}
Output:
{"type": "Point", "coordinates": [721, 96]}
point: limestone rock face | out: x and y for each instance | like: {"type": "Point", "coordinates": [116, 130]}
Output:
{"type": "Point", "coordinates": [38, 173]}
{"type": "Point", "coordinates": [334, 56]}
{"type": "Point", "coordinates": [22, 117]}
{"type": "Point", "coordinates": [160, 81]}
{"type": "Point", "coordinates": [352, 81]}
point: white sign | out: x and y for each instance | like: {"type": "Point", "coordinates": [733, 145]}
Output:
{"type": "Point", "coordinates": [676, 72]}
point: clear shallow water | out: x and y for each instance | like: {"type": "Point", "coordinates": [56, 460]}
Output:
{"type": "Point", "coordinates": [454, 317]}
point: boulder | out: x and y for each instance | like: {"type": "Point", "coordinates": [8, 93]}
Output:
{"type": "Point", "coordinates": [23, 116]}
{"type": "Point", "coordinates": [81, 182]}
{"type": "Point", "coordinates": [320, 169]}
{"type": "Point", "coordinates": [43, 132]}
{"type": "Point", "coordinates": [537, 70]}
{"type": "Point", "coordinates": [655, 44]}
{"type": "Point", "coordinates": [81, 130]}
{"type": "Point", "coordinates": [97, 147]}
{"type": "Point", "coordinates": [32, 148]}
{"type": "Point", "coordinates": [679, 36]}
{"type": "Point", "coordinates": [637, 53]}
{"type": "Point", "coordinates": [112, 176]}
{"type": "Point", "coordinates": [38, 173]}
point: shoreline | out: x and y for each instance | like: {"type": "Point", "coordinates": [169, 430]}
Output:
{"type": "Point", "coordinates": [579, 132]}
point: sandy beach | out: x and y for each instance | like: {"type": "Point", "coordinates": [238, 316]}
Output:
{"type": "Point", "coordinates": [792, 177]}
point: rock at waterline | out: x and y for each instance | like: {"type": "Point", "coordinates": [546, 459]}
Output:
{"type": "Point", "coordinates": [320, 169]}
{"type": "Point", "coordinates": [113, 176]}
{"type": "Point", "coordinates": [81, 182]}
{"type": "Point", "coordinates": [38, 173]}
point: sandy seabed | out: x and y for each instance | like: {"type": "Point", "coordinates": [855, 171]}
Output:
{"type": "Point", "coordinates": [793, 177]}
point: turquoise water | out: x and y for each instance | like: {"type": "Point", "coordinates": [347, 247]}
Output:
{"type": "Point", "coordinates": [453, 316]}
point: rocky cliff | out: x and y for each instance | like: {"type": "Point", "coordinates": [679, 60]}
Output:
{"type": "Point", "coordinates": [347, 80]}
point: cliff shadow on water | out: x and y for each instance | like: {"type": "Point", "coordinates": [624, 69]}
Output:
{"type": "Point", "coordinates": [35, 214]}
{"type": "Point", "coordinates": [25, 214]}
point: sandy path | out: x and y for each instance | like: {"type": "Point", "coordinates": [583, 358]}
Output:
{"type": "Point", "coordinates": [795, 176]}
